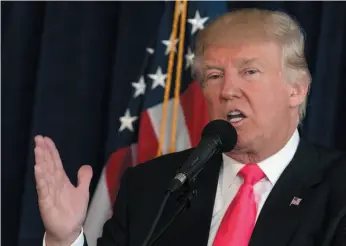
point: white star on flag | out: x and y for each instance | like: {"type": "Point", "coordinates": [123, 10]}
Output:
{"type": "Point", "coordinates": [190, 56]}
{"type": "Point", "coordinates": [168, 44]}
{"type": "Point", "coordinates": [139, 87]}
{"type": "Point", "coordinates": [158, 78]}
{"type": "Point", "coordinates": [127, 121]}
{"type": "Point", "coordinates": [197, 22]}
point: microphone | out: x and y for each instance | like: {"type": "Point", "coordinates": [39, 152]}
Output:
{"type": "Point", "coordinates": [217, 136]}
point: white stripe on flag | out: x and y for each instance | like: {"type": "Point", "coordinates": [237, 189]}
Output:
{"type": "Point", "coordinates": [99, 211]}
{"type": "Point", "coordinates": [182, 139]}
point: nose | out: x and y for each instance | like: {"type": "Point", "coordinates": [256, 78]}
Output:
{"type": "Point", "coordinates": [230, 89]}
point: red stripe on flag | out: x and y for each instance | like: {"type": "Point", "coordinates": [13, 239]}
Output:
{"type": "Point", "coordinates": [121, 159]}
{"type": "Point", "coordinates": [147, 141]}
{"type": "Point", "coordinates": [117, 163]}
{"type": "Point", "coordinates": [195, 111]}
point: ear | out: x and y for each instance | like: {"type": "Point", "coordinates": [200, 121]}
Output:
{"type": "Point", "coordinates": [298, 91]}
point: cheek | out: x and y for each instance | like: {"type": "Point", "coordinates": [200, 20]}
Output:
{"type": "Point", "coordinates": [211, 94]}
{"type": "Point", "coordinates": [269, 105]}
{"type": "Point", "coordinates": [212, 98]}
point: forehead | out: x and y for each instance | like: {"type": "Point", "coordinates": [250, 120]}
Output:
{"type": "Point", "coordinates": [238, 54]}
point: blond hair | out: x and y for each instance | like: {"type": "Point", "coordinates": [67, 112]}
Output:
{"type": "Point", "coordinates": [252, 24]}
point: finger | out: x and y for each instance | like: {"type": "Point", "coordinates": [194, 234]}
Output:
{"type": "Point", "coordinates": [40, 150]}
{"type": "Point", "coordinates": [39, 141]}
{"type": "Point", "coordinates": [48, 159]}
{"type": "Point", "coordinates": [39, 144]}
{"type": "Point", "coordinates": [41, 184]}
{"type": "Point", "coordinates": [39, 156]}
{"type": "Point", "coordinates": [84, 177]}
{"type": "Point", "coordinates": [40, 159]}
{"type": "Point", "coordinates": [53, 152]}
{"type": "Point", "coordinates": [59, 172]}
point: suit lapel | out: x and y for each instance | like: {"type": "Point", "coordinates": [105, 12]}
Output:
{"type": "Point", "coordinates": [279, 218]}
{"type": "Point", "coordinates": [203, 204]}
{"type": "Point", "coordinates": [192, 226]}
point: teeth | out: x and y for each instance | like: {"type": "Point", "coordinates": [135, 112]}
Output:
{"type": "Point", "coordinates": [234, 112]}
{"type": "Point", "coordinates": [235, 116]}
{"type": "Point", "coordinates": [237, 119]}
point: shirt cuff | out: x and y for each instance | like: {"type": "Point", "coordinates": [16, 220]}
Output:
{"type": "Point", "coordinates": [78, 242]}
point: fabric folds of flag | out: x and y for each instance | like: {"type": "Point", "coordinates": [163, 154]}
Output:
{"type": "Point", "coordinates": [167, 111]}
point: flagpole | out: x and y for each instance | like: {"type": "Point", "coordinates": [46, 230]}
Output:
{"type": "Point", "coordinates": [169, 77]}
{"type": "Point", "coordinates": [178, 76]}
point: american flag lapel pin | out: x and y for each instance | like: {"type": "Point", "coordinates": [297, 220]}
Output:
{"type": "Point", "coordinates": [296, 201]}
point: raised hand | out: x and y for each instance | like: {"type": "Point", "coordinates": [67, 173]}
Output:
{"type": "Point", "coordinates": [62, 205]}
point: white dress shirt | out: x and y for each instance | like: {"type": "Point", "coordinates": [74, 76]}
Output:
{"type": "Point", "coordinates": [229, 184]}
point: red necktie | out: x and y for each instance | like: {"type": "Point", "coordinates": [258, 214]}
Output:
{"type": "Point", "coordinates": [239, 220]}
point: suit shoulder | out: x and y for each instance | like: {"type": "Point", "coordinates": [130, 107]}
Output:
{"type": "Point", "coordinates": [152, 176]}
{"type": "Point", "coordinates": [329, 156]}
{"type": "Point", "coordinates": [163, 164]}
{"type": "Point", "coordinates": [322, 160]}
{"type": "Point", "coordinates": [332, 163]}
{"type": "Point", "coordinates": [335, 176]}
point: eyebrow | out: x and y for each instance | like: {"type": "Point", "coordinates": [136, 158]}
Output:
{"type": "Point", "coordinates": [207, 67]}
{"type": "Point", "coordinates": [238, 63]}
{"type": "Point", "coordinates": [245, 62]}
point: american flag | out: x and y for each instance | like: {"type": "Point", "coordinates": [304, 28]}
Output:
{"type": "Point", "coordinates": [296, 201]}
{"type": "Point", "coordinates": [141, 123]}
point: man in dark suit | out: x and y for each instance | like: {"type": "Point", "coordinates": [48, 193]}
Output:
{"type": "Point", "coordinates": [273, 188]}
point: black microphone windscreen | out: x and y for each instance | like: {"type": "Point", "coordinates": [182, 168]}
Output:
{"type": "Point", "coordinates": [225, 131]}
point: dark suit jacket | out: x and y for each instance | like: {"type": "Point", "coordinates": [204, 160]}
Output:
{"type": "Point", "coordinates": [316, 174]}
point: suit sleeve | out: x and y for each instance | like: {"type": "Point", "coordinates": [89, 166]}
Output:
{"type": "Point", "coordinates": [115, 230]}
{"type": "Point", "coordinates": [338, 187]}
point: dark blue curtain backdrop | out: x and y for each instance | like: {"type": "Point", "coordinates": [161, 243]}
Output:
{"type": "Point", "coordinates": [66, 72]}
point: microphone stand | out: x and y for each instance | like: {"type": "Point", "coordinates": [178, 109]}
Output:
{"type": "Point", "coordinates": [184, 203]}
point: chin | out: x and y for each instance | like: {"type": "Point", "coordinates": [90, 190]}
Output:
{"type": "Point", "coordinates": [243, 145]}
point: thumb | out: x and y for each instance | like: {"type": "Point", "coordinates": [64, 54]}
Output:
{"type": "Point", "coordinates": [85, 174]}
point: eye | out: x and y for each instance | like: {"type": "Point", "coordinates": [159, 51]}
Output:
{"type": "Point", "coordinates": [251, 71]}
{"type": "Point", "coordinates": [214, 76]}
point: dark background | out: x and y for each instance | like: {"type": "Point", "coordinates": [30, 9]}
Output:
{"type": "Point", "coordinates": [64, 70]}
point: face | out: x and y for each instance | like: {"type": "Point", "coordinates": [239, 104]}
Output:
{"type": "Point", "coordinates": [244, 84]}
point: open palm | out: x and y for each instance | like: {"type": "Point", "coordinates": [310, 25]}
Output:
{"type": "Point", "coordinates": [62, 205]}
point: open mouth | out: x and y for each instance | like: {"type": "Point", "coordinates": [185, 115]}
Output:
{"type": "Point", "coordinates": [235, 116]}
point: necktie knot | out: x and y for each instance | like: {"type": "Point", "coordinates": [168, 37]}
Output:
{"type": "Point", "coordinates": [251, 173]}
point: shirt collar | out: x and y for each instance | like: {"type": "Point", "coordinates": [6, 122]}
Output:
{"type": "Point", "coordinates": [272, 166]}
